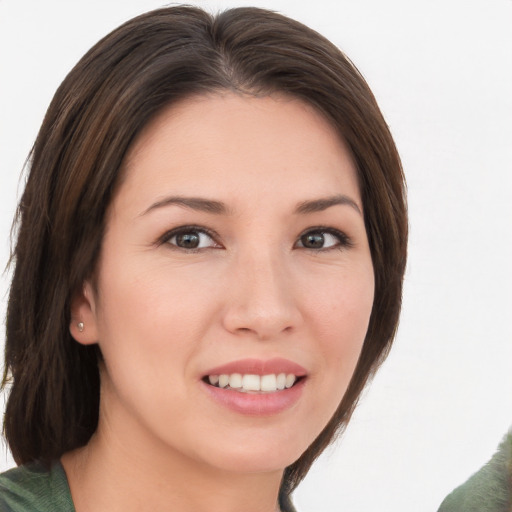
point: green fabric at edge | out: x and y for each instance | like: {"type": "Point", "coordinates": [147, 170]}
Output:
{"type": "Point", "coordinates": [33, 488]}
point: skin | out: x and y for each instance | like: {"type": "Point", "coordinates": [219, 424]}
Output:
{"type": "Point", "coordinates": [165, 315]}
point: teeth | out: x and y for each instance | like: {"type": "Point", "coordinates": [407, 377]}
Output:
{"type": "Point", "coordinates": [281, 381]}
{"type": "Point", "coordinates": [268, 383]}
{"type": "Point", "coordinates": [250, 382]}
{"type": "Point", "coordinates": [223, 381]}
{"type": "Point", "coordinates": [235, 381]}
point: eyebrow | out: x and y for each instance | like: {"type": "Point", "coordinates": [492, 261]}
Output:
{"type": "Point", "coordinates": [219, 208]}
{"type": "Point", "coordinates": [194, 203]}
{"type": "Point", "coordinates": [319, 205]}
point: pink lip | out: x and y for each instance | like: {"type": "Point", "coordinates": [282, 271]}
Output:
{"type": "Point", "coordinates": [257, 403]}
{"type": "Point", "coordinates": [259, 367]}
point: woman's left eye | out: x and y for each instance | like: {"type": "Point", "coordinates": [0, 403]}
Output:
{"type": "Point", "coordinates": [322, 239]}
{"type": "Point", "coordinates": [190, 239]}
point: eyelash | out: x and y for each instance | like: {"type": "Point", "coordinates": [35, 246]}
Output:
{"type": "Point", "coordinates": [344, 242]}
{"type": "Point", "coordinates": [184, 230]}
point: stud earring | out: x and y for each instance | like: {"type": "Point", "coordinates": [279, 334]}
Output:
{"type": "Point", "coordinates": [80, 326]}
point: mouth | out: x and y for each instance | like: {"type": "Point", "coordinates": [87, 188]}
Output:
{"type": "Point", "coordinates": [253, 383]}
{"type": "Point", "coordinates": [256, 387]}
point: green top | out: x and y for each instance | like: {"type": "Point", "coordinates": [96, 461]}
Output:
{"type": "Point", "coordinates": [489, 489]}
{"type": "Point", "coordinates": [32, 488]}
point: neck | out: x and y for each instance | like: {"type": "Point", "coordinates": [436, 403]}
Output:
{"type": "Point", "coordinates": [115, 474]}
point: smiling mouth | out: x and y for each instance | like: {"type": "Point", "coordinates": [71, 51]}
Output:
{"type": "Point", "coordinates": [251, 383]}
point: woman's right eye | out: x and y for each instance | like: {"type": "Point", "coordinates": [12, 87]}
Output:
{"type": "Point", "coordinates": [190, 239]}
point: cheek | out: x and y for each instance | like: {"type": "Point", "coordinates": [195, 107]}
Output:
{"type": "Point", "coordinates": [342, 313]}
{"type": "Point", "coordinates": [151, 326]}
{"type": "Point", "coordinates": [152, 313]}
{"type": "Point", "coordinates": [343, 303]}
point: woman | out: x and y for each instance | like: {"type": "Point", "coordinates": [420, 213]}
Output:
{"type": "Point", "coordinates": [208, 270]}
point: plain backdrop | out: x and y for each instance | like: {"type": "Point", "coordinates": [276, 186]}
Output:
{"type": "Point", "coordinates": [442, 73]}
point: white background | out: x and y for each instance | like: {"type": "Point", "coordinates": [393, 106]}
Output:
{"type": "Point", "coordinates": [442, 73]}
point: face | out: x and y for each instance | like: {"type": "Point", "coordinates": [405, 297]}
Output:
{"type": "Point", "coordinates": [234, 287]}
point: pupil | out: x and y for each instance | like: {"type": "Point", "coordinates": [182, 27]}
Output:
{"type": "Point", "coordinates": [313, 240]}
{"type": "Point", "coordinates": [187, 240]}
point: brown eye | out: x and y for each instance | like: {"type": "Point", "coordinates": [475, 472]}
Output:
{"type": "Point", "coordinates": [312, 240]}
{"type": "Point", "coordinates": [322, 239]}
{"type": "Point", "coordinates": [189, 238]}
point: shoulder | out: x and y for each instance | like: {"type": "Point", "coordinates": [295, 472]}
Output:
{"type": "Point", "coordinates": [34, 487]}
{"type": "Point", "coordinates": [489, 489]}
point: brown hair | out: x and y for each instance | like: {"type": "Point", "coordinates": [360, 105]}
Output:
{"type": "Point", "coordinates": [133, 73]}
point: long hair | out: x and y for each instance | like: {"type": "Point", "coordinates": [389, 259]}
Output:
{"type": "Point", "coordinates": [145, 65]}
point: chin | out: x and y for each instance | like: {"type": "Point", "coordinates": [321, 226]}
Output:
{"type": "Point", "coordinates": [255, 463]}
{"type": "Point", "coordinates": [256, 456]}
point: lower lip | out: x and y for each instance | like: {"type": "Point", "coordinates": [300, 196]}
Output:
{"type": "Point", "coordinates": [256, 404]}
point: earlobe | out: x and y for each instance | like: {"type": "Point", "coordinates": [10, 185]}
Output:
{"type": "Point", "coordinates": [83, 326]}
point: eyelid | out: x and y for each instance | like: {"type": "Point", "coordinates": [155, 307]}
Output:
{"type": "Point", "coordinates": [345, 242]}
{"type": "Point", "coordinates": [168, 235]}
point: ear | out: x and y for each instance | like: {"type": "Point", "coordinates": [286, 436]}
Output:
{"type": "Point", "coordinates": [84, 323]}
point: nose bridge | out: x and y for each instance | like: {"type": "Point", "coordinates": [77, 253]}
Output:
{"type": "Point", "coordinates": [262, 298]}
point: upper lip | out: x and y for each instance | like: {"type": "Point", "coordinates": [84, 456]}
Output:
{"type": "Point", "coordinates": [259, 367]}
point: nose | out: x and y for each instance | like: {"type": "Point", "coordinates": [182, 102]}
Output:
{"type": "Point", "coordinates": [262, 301]}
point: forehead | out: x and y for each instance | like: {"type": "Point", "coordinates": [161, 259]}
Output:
{"type": "Point", "coordinates": [225, 143]}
